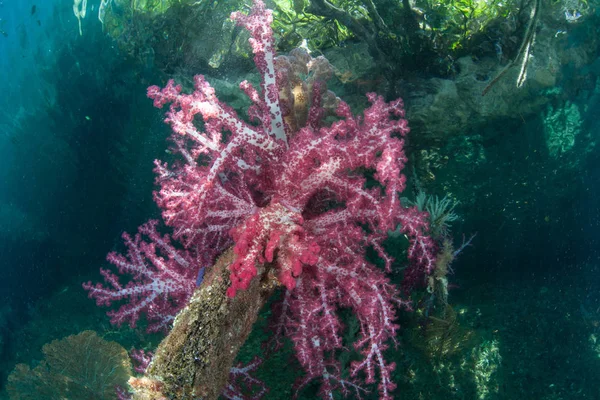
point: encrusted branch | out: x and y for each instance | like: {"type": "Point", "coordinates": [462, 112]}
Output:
{"type": "Point", "coordinates": [194, 361]}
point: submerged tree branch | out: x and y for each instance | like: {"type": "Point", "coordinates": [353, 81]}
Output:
{"type": "Point", "coordinates": [194, 360]}
{"type": "Point", "coordinates": [524, 50]}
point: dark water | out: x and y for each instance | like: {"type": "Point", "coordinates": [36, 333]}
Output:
{"type": "Point", "coordinates": [78, 138]}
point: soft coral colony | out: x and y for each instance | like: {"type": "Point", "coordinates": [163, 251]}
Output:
{"type": "Point", "coordinates": [290, 195]}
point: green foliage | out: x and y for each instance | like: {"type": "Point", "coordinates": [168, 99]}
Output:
{"type": "Point", "coordinates": [426, 35]}
{"type": "Point", "coordinates": [447, 22]}
{"type": "Point", "coordinates": [454, 22]}
{"type": "Point", "coordinates": [293, 24]}
{"type": "Point", "coordinates": [145, 6]}
{"type": "Point", "coordinates": [171, 33]}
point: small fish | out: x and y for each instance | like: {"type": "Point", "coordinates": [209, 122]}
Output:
{"type": "Point", "coordinates": [572, 16]}
{"type": "Point", "coordinates": [88, 118]}
{"type": "Point", "coordinates": [33, 8]}
{"type": "Point", "coordinates": [498, 48]}
{"type": "Point", "coordinates": [200, 276]}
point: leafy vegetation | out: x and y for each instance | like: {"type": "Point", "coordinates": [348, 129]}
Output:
{"type": "Point", "coordinates": [420, 35]}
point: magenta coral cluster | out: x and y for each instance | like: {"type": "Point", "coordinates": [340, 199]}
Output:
{"type": "Point", "coordinates": [163, 279]}
{"type": "Point", "coordinates": [295, 200]}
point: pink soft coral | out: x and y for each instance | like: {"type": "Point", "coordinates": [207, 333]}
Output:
{"type": "Point", "coordinates": [163, 279]}
{"type": "Point", "coordinates": [291, 198]}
